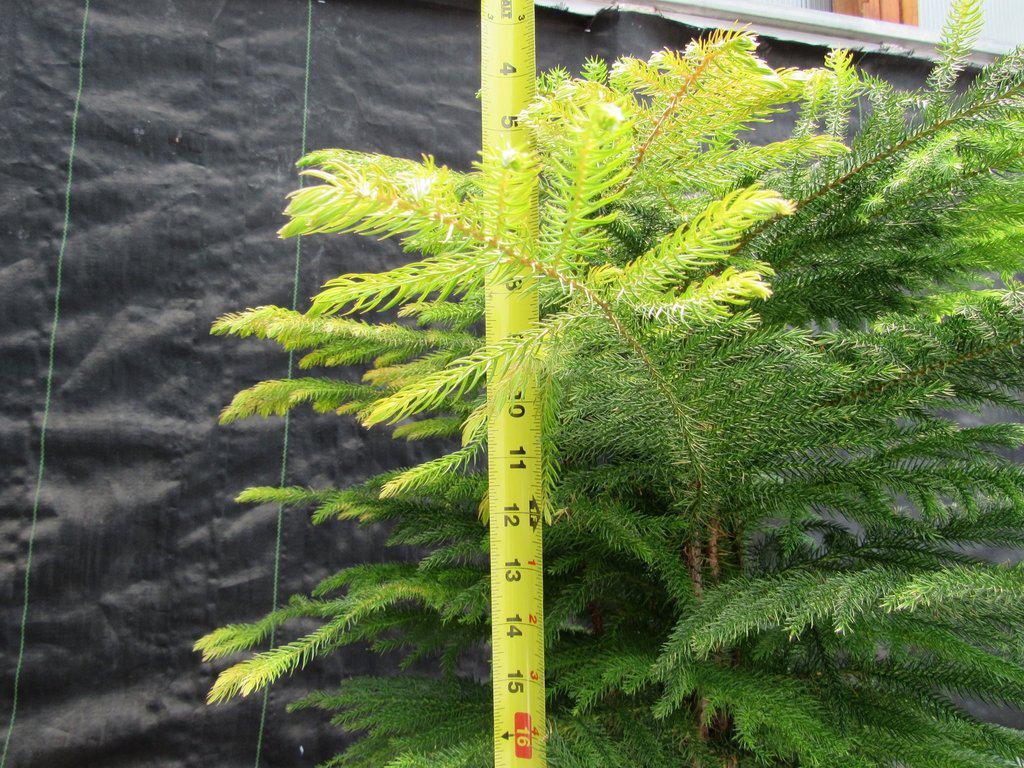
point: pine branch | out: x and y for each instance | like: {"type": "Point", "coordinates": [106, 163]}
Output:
{"type": "Point", "coordinates": [763, 509]}
{"type": "Point", "coordinates": [926, 371]}
{"type": "Point", "coordinates": [915, 137]}
{"type": "Point", "coordinates": [277, 397]}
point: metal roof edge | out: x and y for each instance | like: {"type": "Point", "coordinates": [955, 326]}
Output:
{"type": "Point", "coordinates": [830, 30]}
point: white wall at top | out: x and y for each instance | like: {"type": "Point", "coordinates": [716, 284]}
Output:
{"type": "Point", "coordinates": [812, 5]}
{"type": "Point", "coordinates": [1004, 19]}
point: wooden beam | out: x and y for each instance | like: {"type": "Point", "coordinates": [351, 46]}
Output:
{"type": "Point", "coordinates": [908, 10]}
{"type": "Point", "coordinates": [895, 11]}
{"type": "Point", "coordinates": [889, 10]}
{"type": "Point", "coordinates": [849, 7]}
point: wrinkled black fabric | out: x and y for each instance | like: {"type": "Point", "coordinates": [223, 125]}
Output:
{"type": "Point", "coordinates": [190, 122]}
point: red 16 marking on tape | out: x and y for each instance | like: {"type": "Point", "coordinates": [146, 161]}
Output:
{"type": "Point", "coordinates": [524, 735]}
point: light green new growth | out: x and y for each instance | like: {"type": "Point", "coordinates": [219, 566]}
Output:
{"type": "Point", "coordinates": [763, 506]}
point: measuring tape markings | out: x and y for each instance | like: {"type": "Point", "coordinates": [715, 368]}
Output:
{"type": "Point", "coordinates": [508, 73]}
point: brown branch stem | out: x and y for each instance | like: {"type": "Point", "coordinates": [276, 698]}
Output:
{"type": "Point", "coordinates": [924, 371]}
{"type": "Point", "coordinates": [906, 143]}
{"type": "Point", "coordinates": [683, 90]}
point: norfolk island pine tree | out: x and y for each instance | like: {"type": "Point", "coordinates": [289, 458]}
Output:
{"type": "Point", "coordinates": [761, 504]}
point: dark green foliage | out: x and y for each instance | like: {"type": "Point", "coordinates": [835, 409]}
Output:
{"type": "Point", "coordinates": [762, 502]}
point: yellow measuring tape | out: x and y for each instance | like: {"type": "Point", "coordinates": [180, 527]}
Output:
{"type": "Point", "coordinates": [508, 71]}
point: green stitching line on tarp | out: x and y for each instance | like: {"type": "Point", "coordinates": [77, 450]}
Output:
{"type": "Point", "coordinates": [291, 365]}
{"type": "Point", "coordinates": [49, 388]}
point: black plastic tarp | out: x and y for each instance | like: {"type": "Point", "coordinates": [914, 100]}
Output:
{"type": "Point", "coordinates": [190, 121]}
